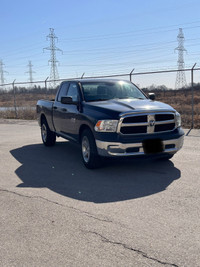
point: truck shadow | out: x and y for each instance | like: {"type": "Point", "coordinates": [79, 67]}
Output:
{"type": "Point", "coordinates": [60, 169]}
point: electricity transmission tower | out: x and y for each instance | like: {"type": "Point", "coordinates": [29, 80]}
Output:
{"type": "Point", "coordinates": [180, 77]}
{"type": "Point", "coordinates": [54, 72]}
{"type": "Point", "coordinates": [2, 71]}
{"type": "Point", "coordinates": [30, 71]}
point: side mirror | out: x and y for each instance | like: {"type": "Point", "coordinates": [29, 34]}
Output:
{"type": "Point", "coordinates": [152, 96]}
{"type": "Point", "coordinates": [68, 100]}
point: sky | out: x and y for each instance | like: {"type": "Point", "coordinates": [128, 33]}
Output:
{"type": "Point", "coordinates": [99, 38]}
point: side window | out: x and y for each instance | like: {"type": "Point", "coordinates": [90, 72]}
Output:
{"type": "Point", "coordinates": [63, 91]}
{"type": "Point", "coordinates": [73, 91]}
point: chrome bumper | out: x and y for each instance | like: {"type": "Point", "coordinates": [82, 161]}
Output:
{"type": "Point", "coordinates": [108, 149]}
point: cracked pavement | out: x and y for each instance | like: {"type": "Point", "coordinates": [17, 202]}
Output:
{"type": "Point", "coordinates": [128, 213]}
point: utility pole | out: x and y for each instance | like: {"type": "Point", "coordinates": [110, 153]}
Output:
{"type": "Point", "coordinates": [180, 77]}
{"type": "Point", "coordinates": [30, 71]}
{"type": "Point", "coordinates": [2, 72]}
{"type": "Point", "coordinates": [54, 72]}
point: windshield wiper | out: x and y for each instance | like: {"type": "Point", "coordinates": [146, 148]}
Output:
{"type": "Point", "coordinates": [98, 99]}
{"type": "Point", "coordinates": [130, 98]}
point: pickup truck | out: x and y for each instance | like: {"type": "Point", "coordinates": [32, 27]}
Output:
{"type": "Point", "coordinates": [110, 118]}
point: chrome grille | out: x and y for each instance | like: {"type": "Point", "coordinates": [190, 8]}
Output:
{"type": "Point", "coordinates": [147, 123]}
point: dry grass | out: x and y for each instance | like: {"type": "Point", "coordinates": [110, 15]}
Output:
{"type": "Point", "coordinates": [23, 100]}
{"type": "Point", "coordinates": [26, 100]}
{"type": "Point", "coordinates": [24, 114]}
{"type": "Point", "coordinates": [180, 100]}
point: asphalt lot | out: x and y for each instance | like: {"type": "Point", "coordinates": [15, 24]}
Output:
{"type": "Point", "coordinates": [55, 212]}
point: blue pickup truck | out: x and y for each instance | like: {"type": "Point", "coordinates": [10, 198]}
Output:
{"type": "Point", "coordinates": [110, 118]}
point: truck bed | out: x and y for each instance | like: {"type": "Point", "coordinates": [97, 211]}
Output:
{"type": "Point", "coordinates": [45, 107]}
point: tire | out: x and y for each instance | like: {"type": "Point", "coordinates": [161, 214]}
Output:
{"type": "Point", "coordinates": [48, 137]}
{"type": "Point", "coordinates": [89, 153]}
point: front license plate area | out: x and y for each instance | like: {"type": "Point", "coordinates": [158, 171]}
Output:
{"type": "Point", "coordinates": [153, 146]}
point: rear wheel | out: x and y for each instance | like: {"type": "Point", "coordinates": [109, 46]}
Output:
{"type": "Point", "coordinates": [90, 156]}
{"type": "Point", "coordinates": [48, 137]}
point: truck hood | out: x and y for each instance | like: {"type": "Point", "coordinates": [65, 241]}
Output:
{"type": "Point", "coordinates": [127, 105]}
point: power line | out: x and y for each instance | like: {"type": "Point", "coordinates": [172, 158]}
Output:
{"type": "Point", "coordinates": [180, 78]}
{"type": "Point", "coordinates": [126, 34]}
{"type": "Point", "coordinates": [54, 71]}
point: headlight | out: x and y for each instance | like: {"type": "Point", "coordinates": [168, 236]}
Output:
{"type": "Point", "coordinates": [178, 119]}
{"type": "Point", "coordinates": [106, 126]}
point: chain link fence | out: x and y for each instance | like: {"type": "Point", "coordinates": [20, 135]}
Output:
{"type": "Point", "coordinates": [18, 99]}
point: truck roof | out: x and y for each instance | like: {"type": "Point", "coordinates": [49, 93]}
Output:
{"type": "Point", "coordinates": [96, 80]}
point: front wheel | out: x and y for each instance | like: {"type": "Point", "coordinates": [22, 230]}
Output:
{"type": "Point", "coordinates": [48, 137]}
{"type": "Point", "coordinates": [90, 156]}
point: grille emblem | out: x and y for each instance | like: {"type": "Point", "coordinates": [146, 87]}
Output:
{"type": "Point", "coordinates": [152, 123]}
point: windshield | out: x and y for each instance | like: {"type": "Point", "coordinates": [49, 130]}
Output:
{"type": "Point", "coordinates": [99, 91]}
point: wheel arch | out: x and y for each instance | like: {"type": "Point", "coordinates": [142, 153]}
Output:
{"type": "Point", "coordinates": [82, 128]}
{"type": "Point", "coordinates": [42, 119]}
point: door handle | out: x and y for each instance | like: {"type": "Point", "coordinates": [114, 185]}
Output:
{"type": "Point", "coordinates": [64, 109]}
{"type": "Point", "coordinates": [54, 107]}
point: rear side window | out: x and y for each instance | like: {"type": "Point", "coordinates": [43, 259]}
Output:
{"type": "Point", "coordinates": [63, 91]}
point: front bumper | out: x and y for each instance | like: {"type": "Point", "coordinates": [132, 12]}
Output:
{"type": "Point", "coordinates": [109, 149]}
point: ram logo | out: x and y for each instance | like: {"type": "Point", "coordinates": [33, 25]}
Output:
{"type": "Point", "coordinates": [152, 123]}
